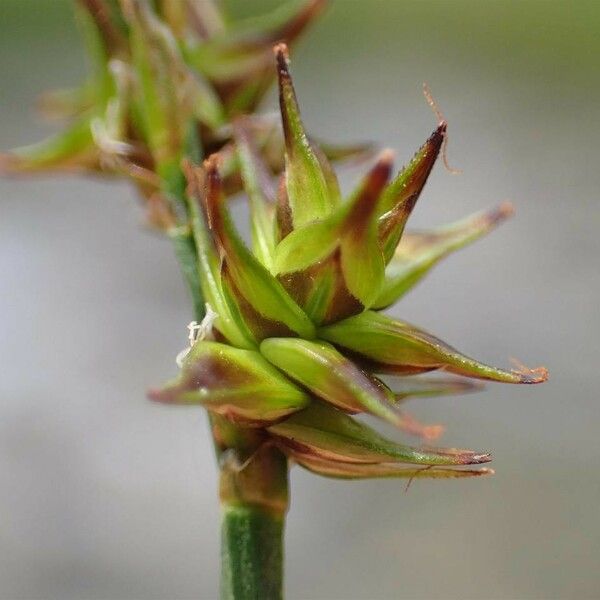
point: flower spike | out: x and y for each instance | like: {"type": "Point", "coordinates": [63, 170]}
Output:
{"type": "Point", "coordinates": [298, 342]}
{"type": "Point", "coordinates": [190, 67]}
{"type": "Point", "coordinates": [305, 302]}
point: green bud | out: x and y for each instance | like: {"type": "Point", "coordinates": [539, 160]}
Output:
{"type": "Point", "coordinates": [238, 384]}
{"type": "Point", "coordinates": [328, 374]}
{"type": "Point", "coordinates": [390, 346]}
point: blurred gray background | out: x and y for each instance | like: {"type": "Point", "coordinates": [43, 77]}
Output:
{"type": "Point", "coordinates": [104, 495]}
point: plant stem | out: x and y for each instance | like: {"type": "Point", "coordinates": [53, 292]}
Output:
{"type": "Point", "coordinates": [253, 486]}
{"type": "Point", "coordinates": [251, 553]}
{"type": "Point", "coordinates": [254, 500]}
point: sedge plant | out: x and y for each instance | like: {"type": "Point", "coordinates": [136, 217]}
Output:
{"type": "Point", "coordinates": [290, 339]}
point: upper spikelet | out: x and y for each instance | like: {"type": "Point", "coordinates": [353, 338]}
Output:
{"type": "Point", "coordinates": [299, 344]}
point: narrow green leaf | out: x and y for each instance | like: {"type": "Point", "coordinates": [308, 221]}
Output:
{"type": "Point", "coordinates": [391, 346]}
{"type": "Point", "coordinates": [419, 252]}
{"type": "Point", "coordinates": [70, 150]}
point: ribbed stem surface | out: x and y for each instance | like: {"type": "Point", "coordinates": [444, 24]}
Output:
{"type": "Point", "coordinates": [254, 500]}
{"type": "Point", "coordinates": [251, 554]}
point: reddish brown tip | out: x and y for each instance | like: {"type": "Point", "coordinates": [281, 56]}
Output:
{"type": "Point", "coordinates": [212, 162]}
{"type": "Point", "coordinates": [158, 395]}
{"type": "Point", "coordinates": [282, 54]}
{"type": "Point", "coordinates": [368, 196]}
{"type": "Point", "coordinates": [212, 198]}
{"type": "Point", "coordinates": [437, 137]}
{"type": "Point", "coordinates": [494, 217]}
{"type": "Point", "coordinates": [527, 375]}
{"type": "Point", "coordinates": [212, 179]}
{"type": "Point", "coordinates": [386, 157]}
{"type": "Point", "coordinates": [478, 459]}
{"type": "Point", "coordinates": [506, 209]}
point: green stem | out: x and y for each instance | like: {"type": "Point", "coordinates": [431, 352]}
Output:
{"type": "Point", "coordinates": [187, 256]}
{"type": "Point", "coordinates": [251, 553]}
{"type": "Point", "coordinates": [254, 500]}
